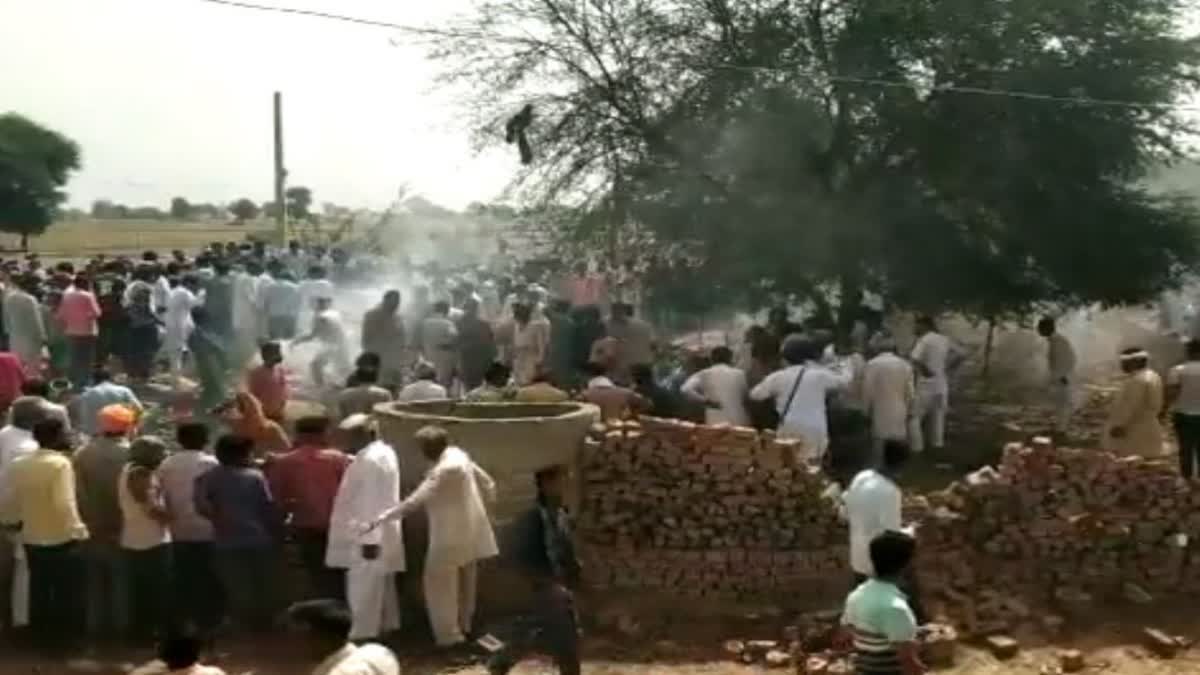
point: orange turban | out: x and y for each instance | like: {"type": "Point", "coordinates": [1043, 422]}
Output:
{"type": "Point", "coordinates": [116, 419]}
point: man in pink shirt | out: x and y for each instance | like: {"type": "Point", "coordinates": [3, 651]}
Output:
{"type": "Point", "coordinates": [79, 313]}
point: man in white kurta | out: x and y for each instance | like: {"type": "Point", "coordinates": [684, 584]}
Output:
{"type": "Point", "coordinates": [370, 486]}
{"type": "Point", "coordinates": [246, 312]}
{"type": "Point", "coordinates": [1060, 366]}
{"type": "Point", "coordinates": [26, 332]}
{"type": "Point", "coordinates": [178, 323]}
{"type": "Point", "coordinates": [888, 394]}
{"type": "Point", "coordinates": [934, 356]}
{"type": "Point", "coordinates": [438, 341]}
{"type": "Point", "coordinates": [460, 533]}
{"type": "Point", "coordinates": [723, 390]}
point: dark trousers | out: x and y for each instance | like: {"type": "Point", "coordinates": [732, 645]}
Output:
{"type": "Point", "coordinates": [248, 580]}
{"type": "Point", "coordinates": [150, 602]}
{"type": "Point", "coordinates": [323, 581]}
{"type": "Point", "coordinates": [200, 598]}
{"type": "Point", "coordinates": [553, 629]}
{"type": "Point", "coordinates": [106, 579]}
{"type": "Point", "coordinates": [55, 589]}
{"type": "Point", "coordinates": [8, 568]}
{"type": "Point", "coordinates": [81, 359]}
{"type": "Point", "coordinates": [908, 586]}
{"type": "Point", "coordinates": [1187, 428]}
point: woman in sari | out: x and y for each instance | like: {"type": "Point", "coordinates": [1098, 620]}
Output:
{"type": "Point", "coordinates": [246, 418]}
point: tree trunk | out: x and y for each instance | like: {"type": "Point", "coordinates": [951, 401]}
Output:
{"type": "Point", "coordinates": [987, 348]}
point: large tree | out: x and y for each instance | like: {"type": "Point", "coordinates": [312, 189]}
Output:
{"type": "Point", "coordinates": [243, 209]}
{"type": "Point", "coordinates": [299, 202]}
{"type": "Point", "coordinates": [972, 155]}
{"type": "Point", "coordinates": [35, 163]}
{"type": "Point", "coordinates": [181, 208]}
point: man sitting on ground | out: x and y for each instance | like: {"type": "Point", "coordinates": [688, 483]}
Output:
{"type": "Point", "coordinates": [326, 624]}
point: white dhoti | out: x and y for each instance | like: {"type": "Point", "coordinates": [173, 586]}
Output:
{"type": "Point", "coordinates": [450, 601]}
{"type": "Point", "coordinates": [20, 587]}
{"type": "Point", "coordinates": [929, 418]}
{"type": "Point", "coordinates": [374, 607]}
{"type": "Point", "coordinates": [1062, 401]}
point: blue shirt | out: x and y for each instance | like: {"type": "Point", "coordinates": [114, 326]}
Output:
{"type": "Point", "coordinates": [95, 398]}
{"type": "Point", "coordinates": [238, 503]}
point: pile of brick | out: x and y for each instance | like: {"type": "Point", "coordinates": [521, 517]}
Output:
{"type": "Point", "coordinates": [1052, 531]}
{"type": "Point", "coordinates": [706, 511]}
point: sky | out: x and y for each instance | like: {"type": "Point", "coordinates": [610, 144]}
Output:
{"type": "Point", "coordinates": [173, 97]}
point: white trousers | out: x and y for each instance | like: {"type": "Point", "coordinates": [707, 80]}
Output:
{"type": "Point", "coordinates": [929, 420]}
{"type": "Point", "coordinates": [450, 600]}
{"type": "Point", "coordinates": [374, 607]}
{"type": "Point", "coordinates": [1063, 401]}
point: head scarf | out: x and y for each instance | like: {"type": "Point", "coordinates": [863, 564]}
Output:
{"type": "Point", "coordinates": [267, 435]}
{"type": "Point", "coordinates": [116, 419]}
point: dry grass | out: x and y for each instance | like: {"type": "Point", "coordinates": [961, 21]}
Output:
{"type": "Point", "coordinates": [89, 237]}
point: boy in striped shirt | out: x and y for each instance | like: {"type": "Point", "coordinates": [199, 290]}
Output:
{"type": "Point", "coordinates": [877, 617]}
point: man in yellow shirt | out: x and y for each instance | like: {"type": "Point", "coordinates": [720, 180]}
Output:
{"type": "Point", "coordinates": [37, 494]}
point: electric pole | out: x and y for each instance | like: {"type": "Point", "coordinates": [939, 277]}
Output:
{"type": "Point", "coordinates": [280, 175]}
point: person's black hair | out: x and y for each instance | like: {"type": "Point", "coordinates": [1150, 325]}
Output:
{"type": "Point", "coordinates": [594, 369]}
{"type": "Point", "coordinates": [221, 267]}
{"type": "Point", "coordinates": [192, 435]}
{"type": "Point", "coordinates": [180, 650]}
{"type": "Point", "coordinates": [1193, 350]}
{"type": "Point", "coordinates": [100, 375]}
{"type": "Point", "coordinates": [327, 618]}
{"type": "Point", "coordinates": [642, 373]}
{"type": "Point", "coordinates": [798, 349]}
{"type": "Point", "coordinates": [722, 355]}
{"type": "Point", "coordinates": [36, 386]}
{"type": "Point", "coordinates": [271, 347]}
{"type": "Point", "coordinates": [312, 425]}
{"type": "Point", "coordinates": [542, 475]}
{"type": "Point", "coordinates": [363, 376]}
{"type": "Point", "coordinates": [497, 374]}
{"type": "Point", "coordinates": [368, 361]}
{"type": "Point", "coordinates": [1046, 325]}
{"type": "Point", "coordinates": [891, 553]}
{"type": "Point", "coordinates": [83, 282]}
{"type": "Point", "coordinates": [895, 454]}
{"type": "Point", "coordinates": [441, 307]}
{"type": "Point", "coordinates": [50, 433]}
{"type": "Point", "coordinates": [234, 450]}
{"type": "Point", "coordinates": [927, 321]}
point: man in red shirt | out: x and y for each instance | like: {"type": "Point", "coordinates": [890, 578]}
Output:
{"type": "Point", "coordinates": [268, 382]}
{"type": "Point", "coordinates": [305, 482]}
{"type": "Point", "coordinates": [12, 378]}
{"type": "Point", "coordinates": [79, 313]}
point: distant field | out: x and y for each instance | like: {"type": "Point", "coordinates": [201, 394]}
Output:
{"type": "Point", "coordinates": [89, 237]}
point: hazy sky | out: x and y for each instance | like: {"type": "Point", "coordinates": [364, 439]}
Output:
{"type": "Point", "coordinates": [173, 97]}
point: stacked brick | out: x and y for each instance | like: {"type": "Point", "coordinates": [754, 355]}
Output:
{"type": "Point", "coordinates": [705, 511]}
{"type": "Point", "coordinates": [1057, 528]}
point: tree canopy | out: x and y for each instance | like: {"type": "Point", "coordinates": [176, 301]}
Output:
{"type": "Point", "coordinates": [978, 156]}
{"type": "Point", "coordinates": [35, 163]}
{"type": "Point", "coordinates": [299, 202]}
{"type": "Point", "coordinates": [244, 209]}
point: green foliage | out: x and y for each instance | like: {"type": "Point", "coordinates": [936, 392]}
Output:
{"type": "Point", "coordinates": [299, 201]}
{"type": "Point", "coordinates": [181, 209]}
{"type": "Point", "coordinates": [35, 163]}
{"type": "Point", "coordinates": [816, 148]}
{"type": "Point", "coordinates": [243, 209]}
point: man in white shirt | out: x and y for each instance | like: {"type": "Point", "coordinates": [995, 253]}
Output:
{"type": "Point", "coordinates": [247, 308]}
{"type": "Point", "coordinates": [460, 533]}
{"type": "Point", "coordinates": [934, 357]}
{"type": "Point", "coordinates": [1183, 397]}
{"type": "Point", "coordinates": [178, 322]}
{"type": "Point", "coordinates": [326, 628]}
{"type": "Point", "coordinates": [425, 388]}
{"type": "Point", "coordinates": [16, 441]}
{"type": "Point", "coordinates": [722, 388]}
{"type": "Point", "coordinates": [800, 392]}
{"type": "Point", "coordinates": [1060, 364]}
{"type": "Point", "coordinates": [23, 323]}
{"type": "Point", "coordinates": [313, 289]}
{"type": "Point", "coordinates": [282, 305]}
{"type": "Point", "coordinates": [872, 506]}
{"type": "Point", "coordinates": [888, 393]}
{"type": "Point", "coordinates": [370, 486]}
{"type": "Point", "coordinates": [334, 352]}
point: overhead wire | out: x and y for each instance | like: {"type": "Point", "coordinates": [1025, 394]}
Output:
{"type": "Point", "coordinates": [880, 82]}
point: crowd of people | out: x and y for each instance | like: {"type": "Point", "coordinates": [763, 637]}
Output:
{"type": "Point", "coordinates": [124, 535]}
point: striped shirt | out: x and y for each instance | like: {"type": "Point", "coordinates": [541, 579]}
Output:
{"type": "Point", "coordinates": [878, 614]}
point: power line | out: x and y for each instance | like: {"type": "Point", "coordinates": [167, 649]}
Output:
{"type": "Point", "coordinates": [879, 82]}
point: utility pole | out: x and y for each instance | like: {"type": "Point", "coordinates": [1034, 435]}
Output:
{"type": "Point", "coordinates": [280, 174]}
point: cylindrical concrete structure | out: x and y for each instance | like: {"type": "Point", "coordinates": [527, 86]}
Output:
{"type": "Point", "coordinates": [509, 440]}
